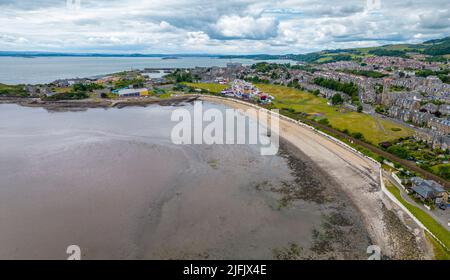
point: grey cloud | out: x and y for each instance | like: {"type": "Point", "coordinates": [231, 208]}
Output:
{"type": "Point", "coordinates": [438, 20]}
{"type": "Point", "coordinates": [217, 26]}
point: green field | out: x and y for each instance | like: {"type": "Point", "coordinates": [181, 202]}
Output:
{"type": "Point", "coordinates": [213, 88]}
{"type": "Point", "coordinates": [437, 229]}
{"type": "Point", "coordinates": [61, 89]}
{"type": "Point", "coordinates": [12, 91]}
{"type": "Point", "coordinates": [436, 167]}
{"type": "Point", "coordinates": [374, 130]}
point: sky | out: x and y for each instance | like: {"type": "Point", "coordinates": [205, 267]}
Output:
{"type": "Point", "coordinates": [217, 26]}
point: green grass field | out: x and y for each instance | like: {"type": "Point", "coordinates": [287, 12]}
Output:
{"type": "Point", "coordinates": [213, 88]}
{"type": "Point", "coordinates": [436, 167]}
{"type": "Point", "coordinates": [165, 95]}
{"type": "Point", "coordinates": [12, 90]}
{"type": "Point", "coordinates": [437, 229]}
{"type": "Point", "coordinates": [61, 89]}
{"type": "Point", "coordinates": [375, 131]}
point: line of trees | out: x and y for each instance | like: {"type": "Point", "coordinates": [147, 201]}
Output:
{"type": "Point", "coordinates": [443, 74]}
{"type": "Point", "coordinates": [180, 76]}
{"type": "Point", "coordinates": [349, 88]}
{"type": "Point", "coordinates": [366, 73]}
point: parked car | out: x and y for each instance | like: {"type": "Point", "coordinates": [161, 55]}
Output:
{"type": "Point", "coordinates": [443, 206]}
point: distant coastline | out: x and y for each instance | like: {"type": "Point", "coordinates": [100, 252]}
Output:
{"type": "Point", "coordinates": [46, 68]}
{"type": "Point", "coordinates": [33, 54]}
{"type": "Point", "coordinates": [435, 48]}
{"type": "Point", "coordinates": [62, 54]}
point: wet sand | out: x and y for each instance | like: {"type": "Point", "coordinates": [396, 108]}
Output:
{"type": "Point", "coordinates": [91, 103]}
{"type": "Point", "coordinates": [111, 182]}
{"type": "Point", "coordinates": [263, 218]}
{"type": "Point", "coordinates": [355, 176]}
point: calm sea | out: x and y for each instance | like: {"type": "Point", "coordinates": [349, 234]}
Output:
{"type": "Point", "coordinates": [111, 182]}
{"type": "Point", "coordinates": [20, 70]}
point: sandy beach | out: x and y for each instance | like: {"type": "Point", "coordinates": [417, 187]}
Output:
{"type": "Point", "coordinates": [358, 177]}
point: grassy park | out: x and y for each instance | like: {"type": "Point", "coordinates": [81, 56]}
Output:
{"type": "Point", "coordinates": [12, 91]}
{"type": "Point", "coordinates": [374, 130]}
{"type": "Point", "coordinates": [212, 88]}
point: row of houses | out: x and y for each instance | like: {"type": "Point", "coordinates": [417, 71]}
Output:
{"type": "Point", "coordinates": [420, 118]}
{"type": "Point", "coordinates": [430, 85]}
{"type": "Point", "coordinates": [433, 138]}
{"type": "Point", "coordinates": [400, 63]}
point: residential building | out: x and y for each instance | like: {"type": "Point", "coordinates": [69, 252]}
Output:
{"type": "Point", "coordinates": [429, 190]}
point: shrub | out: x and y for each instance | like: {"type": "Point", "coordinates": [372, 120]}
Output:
{"type": "Point", "coordinates": [337, 99]}
{"type": "Point", "coordinates": [360, 108]}
{"type": "Point", "coordinates": [399, 151]}
{"type": "Point", "coordinates": [358, 135]}
{"type": "Point", "coordinates": [324, 121]}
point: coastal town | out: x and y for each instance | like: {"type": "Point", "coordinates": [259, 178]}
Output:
{"type": "Point", "coordinates": [215, 139]}
{"type": "Point", "coordinates": [408, 97]}
{"type": "Point", "coordinates": [389, 87]}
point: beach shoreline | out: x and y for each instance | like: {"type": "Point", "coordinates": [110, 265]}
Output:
{"type": "Point", "coordinates": [358, 178]}
{"type": "Point", "coordinates": [66, 185]}
{"type": "Point", "coordinates": [90, 103]}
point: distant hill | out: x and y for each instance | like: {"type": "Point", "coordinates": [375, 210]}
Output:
{"type": "Point", "coordinates": [438, 49]}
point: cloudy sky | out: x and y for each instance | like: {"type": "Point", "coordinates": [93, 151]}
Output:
{"type": "Point", "coordinates": [217, 26]}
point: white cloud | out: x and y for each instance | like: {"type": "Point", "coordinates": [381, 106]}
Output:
{"type": "Point", "coordinates": [197, 38]}
{"type": "Point", "coordinates": [232, 26]}
{"type": "Point", "coordinates": [246, 27]}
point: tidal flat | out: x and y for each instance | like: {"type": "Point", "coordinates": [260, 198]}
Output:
{"type": "Point", "coordinates": [112, 182]}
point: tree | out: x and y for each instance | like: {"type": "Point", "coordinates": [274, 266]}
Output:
{"type": "Point", "coordinates": [380, 159]}
{"type": "Point", "coordinates": [358, 135]}
{"type": "Point", "coordinates": [444, 171]}
{"type": "Point", "coordinates": [337, 99]}
{"type": "Point", "coordinates": [349, 88]}
{"type": "Point", "coordinates": [399, 151]}
{"type": "Point", "coordinates": [360, 108]}
{"type": "Point", "coordinates": [324, 121]}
